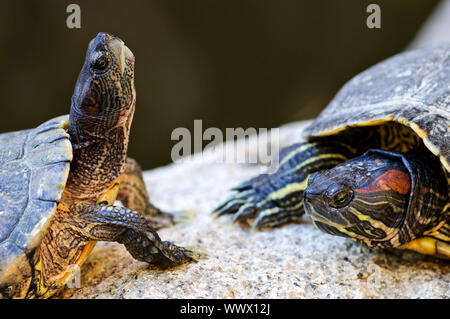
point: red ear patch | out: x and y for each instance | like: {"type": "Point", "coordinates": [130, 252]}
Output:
{"type": "Point", "coordinates": [93, 109]}
{"type": "Point", "coordinates": [90, 103]}
{"type": "Point", "coordinates": [393, 179]}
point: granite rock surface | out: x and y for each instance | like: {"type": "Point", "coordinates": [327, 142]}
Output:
{"type": "Point", "coordinates": [293, 261]}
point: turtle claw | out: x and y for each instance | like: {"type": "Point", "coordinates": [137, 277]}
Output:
{"type": "Point", "coordinates": [232, 205]}
{"type": "Point", "coordinates": [247, 203]}
{"type": "Point", "coordinates": [266, 218]}
{"type": "Point", "coordinates": [244, 213]}
{"type": "Point", "coordinates": [229, 207]}
{"type": "Point", "coordinates": [252, 205]}
{"type": "Point", "coordinates": [272, 199]}
{"type": "Point", "coordinates": [196, 253]}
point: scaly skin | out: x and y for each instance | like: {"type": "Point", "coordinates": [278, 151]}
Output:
{"type": "Point", "coordinates": [100, 118]}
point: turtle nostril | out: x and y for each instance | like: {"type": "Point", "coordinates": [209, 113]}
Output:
{"type": "Point", "coordinates": [311, 194]}
{"type": "Point", "coordinates": [312, 177]}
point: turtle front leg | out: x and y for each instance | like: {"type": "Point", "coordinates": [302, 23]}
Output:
{"type": "Point", "coordinates": [128, 227]}
{"type": "Point", "coordinates": [73, 234]}
{"type": "Point", "coordinates": [133, 194]}
{"type": "Point", "coordinates": [270, 200]}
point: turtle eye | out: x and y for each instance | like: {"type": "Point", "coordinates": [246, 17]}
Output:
{"type": "Point", "coordinates": [101, 63]}
{"type": "Point", "coordinates": [341, 198]}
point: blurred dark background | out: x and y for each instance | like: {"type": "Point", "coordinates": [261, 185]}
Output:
{"type": "Point", "coordinates": [230, 63]}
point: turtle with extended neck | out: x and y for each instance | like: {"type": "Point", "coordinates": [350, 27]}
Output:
{"type": "Point", "coordinates": [59, 181]}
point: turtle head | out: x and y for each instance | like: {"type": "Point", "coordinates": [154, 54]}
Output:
{"type": "Point", "coordinates": [365, 198]}
{"type": "Point", "coordinates": [104, 93]}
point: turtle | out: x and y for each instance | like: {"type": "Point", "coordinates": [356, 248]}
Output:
{"type": "Point", "coordinates": [59, 182]}
{"type": "Point", "coordinates": [374, 164]}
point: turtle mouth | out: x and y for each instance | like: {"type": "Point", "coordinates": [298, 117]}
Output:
{"type": "Point", "coordinates": [118, 47]}
{"type": "Point", "coordinates": [129, 59]}
{"type": "Point", "coordinates": [124, 56]}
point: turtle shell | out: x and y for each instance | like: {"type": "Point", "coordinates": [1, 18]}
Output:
{"type": "Point", "coordinates": [411, 88]}
{"type": "Point", "coordinates": [34, 165]}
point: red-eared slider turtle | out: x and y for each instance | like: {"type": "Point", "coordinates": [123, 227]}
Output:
{"type": "Point", "coordinates": [58, 183]}
{"type": "Point", "coordinates": [375, 164]}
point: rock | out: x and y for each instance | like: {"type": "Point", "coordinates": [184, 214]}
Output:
{"type": "Point", "coordinates": [294, 261]}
